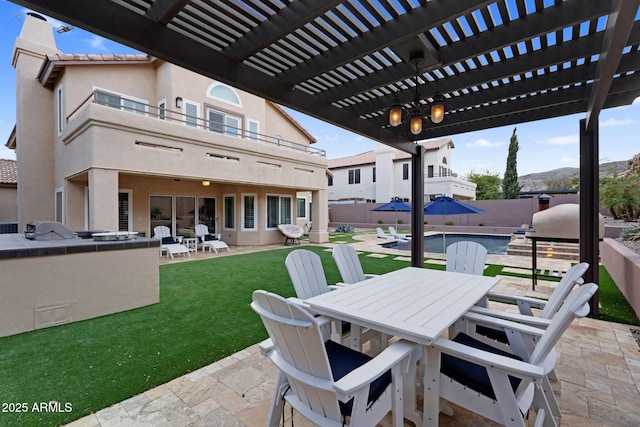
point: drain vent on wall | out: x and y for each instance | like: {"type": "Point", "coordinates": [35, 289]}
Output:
{"type": "Point", "coordinates": [53, 315]}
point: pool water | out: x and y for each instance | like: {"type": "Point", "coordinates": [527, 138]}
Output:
{"type": "Point", "coordinates": [433, 243]}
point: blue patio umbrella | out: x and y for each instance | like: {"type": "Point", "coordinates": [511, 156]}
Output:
{"type": "Point", "coordinates": [395, 205]}
{"type": "Point", "coordinates": [444, 205]}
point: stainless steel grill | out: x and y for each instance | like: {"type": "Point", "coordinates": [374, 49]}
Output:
{"type": "Point", "coordinates": [48, 230]}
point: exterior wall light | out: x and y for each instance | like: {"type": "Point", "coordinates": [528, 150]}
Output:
{"type": "Point", "coordinates": [206, 183]}
{"type": "Point", "coordinates": [178, 102]}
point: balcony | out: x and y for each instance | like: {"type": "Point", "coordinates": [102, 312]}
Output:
{"type": "Point", "coordinates": [134, 106]}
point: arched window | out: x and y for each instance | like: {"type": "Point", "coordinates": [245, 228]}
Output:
{"type": "Point", "coordinates": [224, 93]}
{"type": "Point", "coordinates": [444, 160]}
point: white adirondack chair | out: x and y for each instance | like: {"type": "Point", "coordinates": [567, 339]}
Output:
{"type": "Point", "coordinates": [466, 257]}
{"type": "Point", "coordinates": [209, 240]}
{"type": "Point", "coordinates": [168, 243]}
{"type": "Point", "coordinates": [348, 264]}
{"type": "Point", "coordinates": [327, 383]}
{"type": "Point", "coordinates": [308, 278]}
{"type": "Point", "coordinates": [502, 386]}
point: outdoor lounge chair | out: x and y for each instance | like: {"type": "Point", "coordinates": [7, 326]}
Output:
{"type": "Point", "coordinates": [169, 244]}
{"type": "Point", "coordinates": [502, 386]}
{"type": "Point", "coordinates": [348, 264]}
{"type": "Point", "coordinates": [325, 382]}
{"type": "Point", "coordinates": [394, 233]}
{"type": "Point", "coordinates": [466, 257]}
{"type": "Point", "coordinates": [382, 235]}
{"type": "Point", "coordinates": [291, 232]}
{"type": "Point", "coordinates": [210, 240]}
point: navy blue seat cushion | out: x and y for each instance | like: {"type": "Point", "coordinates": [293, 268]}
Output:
{"type": "Point", "coordinates": [494, 334]}
{"type": "Point", "coordinates": [344, 360]}
{"type": "Point", "coordinates": [208, 237]}
{"type": "Point", "coordinates": [474, 376]}
{"type": "Point", "coordinates": [168, 240]}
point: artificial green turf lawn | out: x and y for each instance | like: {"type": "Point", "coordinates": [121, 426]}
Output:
{"type": "Point", "coordinates": [203, 316]}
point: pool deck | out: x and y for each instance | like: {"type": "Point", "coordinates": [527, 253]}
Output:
{"type": "Point", "coordinates": [598, 368]}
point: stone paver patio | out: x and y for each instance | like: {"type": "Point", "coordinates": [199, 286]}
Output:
{"type": "Point", "coordinates": [598, 369]}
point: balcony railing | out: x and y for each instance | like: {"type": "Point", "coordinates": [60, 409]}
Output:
{"type": "Point", "coordinates": [136, 107]}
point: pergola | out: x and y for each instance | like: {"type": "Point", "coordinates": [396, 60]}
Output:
{"type": "Point", "coordinates": [346, 62]}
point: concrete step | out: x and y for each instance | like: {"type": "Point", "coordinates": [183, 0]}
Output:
{"type": "Point", "coordinates": [568, 251]}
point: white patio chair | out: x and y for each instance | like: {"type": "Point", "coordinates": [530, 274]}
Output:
{"type": "Point", "coordinates": [327, 383]}
{"type": "Point", "coordinates": [382, 235]}
{"type": "Point", "coordinates": [499, 385]}
{"type": "Point", "coordinates": [209, 240]}
{"type": "Point", "coordinates": [168, 243]}
{"type": "Point", "coordinates": [348, 263]}
{"type": "Point", "coordinates": [497, 337]}
{"type": "Point", "coordinates": [466, 257]}
{"type": "Point", "coordinates": [308, 278]}
{"type": "Point", "coordinates": [394, 233]}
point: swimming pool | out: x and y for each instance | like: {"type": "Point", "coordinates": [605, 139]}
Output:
{"type": "Point", "coordinates": [433, 243]}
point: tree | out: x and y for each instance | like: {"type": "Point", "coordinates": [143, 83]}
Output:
{"type": "Point", "coordinates": [487, 185]}
{"type": "Point", "coordinates": [510, 187]}
{"type": "Point", "coordinates": [620, 192]}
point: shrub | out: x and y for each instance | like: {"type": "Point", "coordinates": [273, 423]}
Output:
{"type": "Point", "coordinates": [630, 233]}
{"type": "Point", "coordinates": [400, 221]}
{"type": "Point", "coordinates": [380, 221]}
{"type": "Point", "coordinates": [481, 224]}
{"type": "Point", "coordinates": [448, 223]}
{"type": "Point", "coordinates": [344, 228]}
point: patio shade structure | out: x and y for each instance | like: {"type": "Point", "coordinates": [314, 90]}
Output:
{"type": "Point", "coordinates": [396, 205]}
{"type": "Point", "coordinates": [494, 62]}
{"type": "Point", "coordinates": [445, 205]}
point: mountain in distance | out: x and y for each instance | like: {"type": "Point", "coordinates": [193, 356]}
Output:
{"type": "Point", "coordinates": [561, 178]}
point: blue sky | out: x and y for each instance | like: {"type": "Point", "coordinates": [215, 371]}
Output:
{"type": "Point", "coordinates": [544, 145]}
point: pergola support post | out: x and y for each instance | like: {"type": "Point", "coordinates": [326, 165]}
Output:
{"type": "Point", "coordinates": [590, 207]}
{"type": "Point", "coordinates": [417, 202]}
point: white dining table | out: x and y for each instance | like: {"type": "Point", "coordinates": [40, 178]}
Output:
{"type": "Point", "coordinates": [413, 303]}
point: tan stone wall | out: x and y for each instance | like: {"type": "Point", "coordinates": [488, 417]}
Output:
{"type": "Point", "coordinates": [85, 285]}
{"type": "Point", "coordinates": [8, 204]}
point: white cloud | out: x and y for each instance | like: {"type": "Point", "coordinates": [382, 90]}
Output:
{"type": "Point", "coordinates": [484, 143]}
{"type": "Point", "coordinates": [6, 153]}
{"type": "Point", "coordinates": [618, 122]}
{"type": "Point", "coordinates": [97, 42]}
{"type": "Point", "coordinates": [561, 140]}
{"type": "Point", "coordinates": [568, 160]}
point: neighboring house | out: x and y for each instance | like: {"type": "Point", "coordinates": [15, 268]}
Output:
{"type": "Point", "coordinates": [8, 192]}
{"type": "Point", "coordinates": [129, 142]}
{"type": "Point", "coordinates": [384, 173]}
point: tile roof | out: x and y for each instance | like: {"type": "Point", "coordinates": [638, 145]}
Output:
{"type": "Point", "coordinates": [8, 172]}
{"type": "Point", "coordinates": [369, 157]}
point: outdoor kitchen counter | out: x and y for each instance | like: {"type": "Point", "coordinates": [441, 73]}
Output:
{"type": "Point", "coordinates": [52, 282]}
{"type": "Point", "coordinates": [17, 246]}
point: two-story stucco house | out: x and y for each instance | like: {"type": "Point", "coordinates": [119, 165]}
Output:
{"type": "Point", "coordinates": [129, 142]}
{"type": "Point", "coordinates": [385, 173]}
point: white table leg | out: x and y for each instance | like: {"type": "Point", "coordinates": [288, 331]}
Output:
{"type": "Point", "coordinates": [431, 383]}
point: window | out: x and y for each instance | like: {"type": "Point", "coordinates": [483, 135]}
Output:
{"type": "Point", "coordinates": [354, 176]}
{"type": "Point", "coordinates": [224, 123]}
{"type": "Point", "coordinates": [430, 171]}
{"type": "Point", "coordinates": [405, 171]}
{"type": "Point", "coordinates": [374, 174]}
{"type": "Point", "coordinates": [254, 129]}
{"type": "Point", "coordinates": [59, 110]}
{"type": "Point", "coordinates": [191, 112]}
{"type": "Point", "coordinates": [229, 219]}
{"type": "Point", "coordinates": [224, 93]}
{"type": "Point", "coordinates": [162, 109]}
{"type": "Point", "coordinates": [249, 212]}
{"type": "Point", "coordinates": [59, 217]}
{"type": "Point", "coordinates": [124, 210]}
{"type": "Point", "coordinates": [278, 211]}
{"type": "Point", "coordinates": [301, 211]}
{"type": "Point", "coordinates": [444, 160]}
{"type": "Point", "coordinates": [330, 181]}
{"type": "Point", "coordinates": [278, 139]}
{"type": "Point", "coordinates": [207, 213]}
{"type": "Point", "coordinates": [129, 104]}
